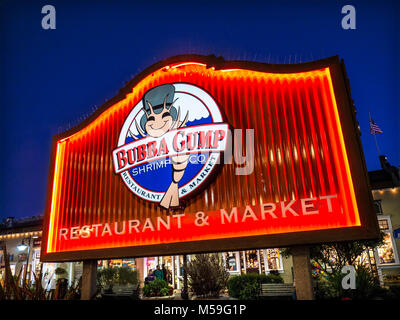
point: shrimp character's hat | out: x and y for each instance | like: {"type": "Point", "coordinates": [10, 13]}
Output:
{"type": "Point", "coordinates": [157, 97]}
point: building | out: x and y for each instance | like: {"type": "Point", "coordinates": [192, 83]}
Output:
{"type": "Point", "coordinates": [261, 261]}
{"type": "Point", "coordinates": [21, 239]}
{"type": "Point", "coordinates": [28, 232]}
{"type": "Point", "coordinates": [385, 186]}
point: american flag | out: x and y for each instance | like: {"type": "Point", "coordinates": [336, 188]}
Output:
{"type": "Point", "coordinates": [373, 127]}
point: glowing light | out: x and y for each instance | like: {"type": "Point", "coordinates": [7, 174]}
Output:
{"type": "Point", "coordinates": [343, 149]}
{"type": "Point", "coordinates": [271, 156]}
{"type": "Point", "coordinates": [228, 70]}
{"type": "Point", "coordinates": [279, 156]}
{"type": "Point", "coordinates": [55, 195]}
{"type": "Point", "coordinates": [187, 64]}
{"type": "Point", "coordinates": [296, 156]}
{"type": "Point", "coordinates": [312, 151]}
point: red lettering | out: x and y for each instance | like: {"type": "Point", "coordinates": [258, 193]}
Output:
{"type": "Point", "coordinates": [131, 156]}
{"type": "Point", "coordinates": [151, 149]}
{"type": "Point", "coordinates": [175, 142]}
{"type": "Point", "coordinates": [202, 139]}
{"type": "Point", "coordinates": [191, 143]}
{"type": "Point", "coordinates": [121, 157]}
{"type": "Point", "coordinates": [219, 135]}
{"type": "Point", "coordinates": [163, 148]}
{"type": "Point", "coordinates": [141, 152]}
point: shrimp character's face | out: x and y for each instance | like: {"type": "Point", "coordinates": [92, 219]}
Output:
{"type": "Point", "coordinates": [158, 124]}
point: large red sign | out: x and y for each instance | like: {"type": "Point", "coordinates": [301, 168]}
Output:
{"type": "Point", "coordinates": [129, 181]}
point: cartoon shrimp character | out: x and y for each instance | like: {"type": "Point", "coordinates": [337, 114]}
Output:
{"type": "Point", "coordinates": [160, 116]}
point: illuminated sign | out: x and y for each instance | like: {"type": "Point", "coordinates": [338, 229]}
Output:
{"type": "Point", "coordinates": [118, 179]}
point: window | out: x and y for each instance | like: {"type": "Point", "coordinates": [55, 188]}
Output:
{"type": "Point", "coordinates": [263, 260]}
{"type": "Point", "coordinates": [273, 260]}
{"type": "Point", "coordinates": [131, 263]}
{"type": "Point", "coordinates": [231, 261]}
{"type": "Point", "coordinates": [386, 253]}
{"type": "Point", "coordinates": [252, 260]}
{"type": "Point", "coordinates": [383, 225]}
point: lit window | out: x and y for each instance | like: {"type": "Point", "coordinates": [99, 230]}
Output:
{"type": "Point", "coordinates": [383, 225]}
{"type": "Point", "coordinates": [252, 261]}
{"type": "Point", "coordinates": [387, 251]}
{"type": "Point", "coordinates": [263, 261]}
{"type": "Point", "coordinates": [231, 261]}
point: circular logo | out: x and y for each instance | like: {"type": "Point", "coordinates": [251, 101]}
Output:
{"type": "Point", "coordinates": [170, 143]}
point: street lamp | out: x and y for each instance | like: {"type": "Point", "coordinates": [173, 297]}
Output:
{"type": "Point", "coordinates": [22, 246]}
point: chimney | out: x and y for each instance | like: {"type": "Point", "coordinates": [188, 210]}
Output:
{"type": "Point", "coordinates": [9, 222]}
{"type": "Point", "coordinates": [391, 170]}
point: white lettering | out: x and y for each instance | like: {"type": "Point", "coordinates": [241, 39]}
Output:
{"type": "Point", "coordinates": [166, 224]}
{"type": "Point", "coordinates": [106, 229]}
{"type": "Point", "coordinates": [233, 213]}
{"type": "Point", "coordinates": [271, 210]}
{"type": "Point", "coordinates": [178, 217]}
{"type": "Point", "coordinates": [288, 208]}
{"type": "Point", "coordinates": [328, 200]}
{"type": "Point", "coordinates": [248, 213]}
{"type": "Point", "coordinates": [305, 206]}
{"type": "Point", "coordinates": [75, 233]}
{"type": "Point", "coordinates": [63, 233]}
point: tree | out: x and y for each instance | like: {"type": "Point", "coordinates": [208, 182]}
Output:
{"type": "Point", "coordinates": [107, 277]}
{"type": "Point", "coordinates": [334, 256]}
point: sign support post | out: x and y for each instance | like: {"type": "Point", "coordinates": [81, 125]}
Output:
{"type": "Point", "coordinates": [140, 270]}
{"type": "Point", "coordinates": [89, 275]}
{"type": "Point", "coordinates": [302, 272]}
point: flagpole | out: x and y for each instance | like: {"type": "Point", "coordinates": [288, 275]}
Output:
{"type": "Point", "coordinates": [374, 134]}
{"type": "Point", "coordinates": [377, 148]}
